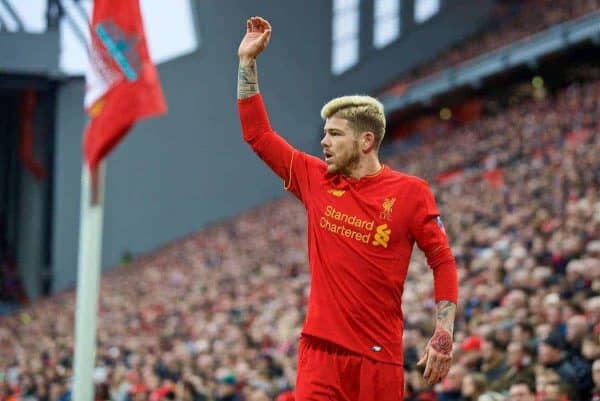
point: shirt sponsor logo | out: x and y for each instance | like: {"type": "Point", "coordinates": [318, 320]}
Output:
{"type": "Point", "coordinates": [353, 227]}
{"type": "Point", "coordinates": [382, 236]}
{"type": "Point", "coordinates": [337, 192]}
{"type": "Point", "coordinates": [386, 213]}
{"type": "Point", "coordinates": [349, 225]}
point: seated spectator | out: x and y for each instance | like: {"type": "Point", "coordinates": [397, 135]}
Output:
{"type": "Point", "coordinates": [552, 355]}
{"type": "Point", "coordinates": [577, 328]}
{"type": "Point", "coordinates": [227, 390]}
{"type": "Point", "coordinates": [590, 347]}
{"type": "Point", "coordinates": [555, 391]}
{"type": "Point", "coordinates": [452, 384]}
{"type": "Point", "coordinates": [494, 362]}
{"type": "Point", "coordinates": [473, 385]}
{"type": "Point", "coordinates": [520, 368]}
{"type": "Point", "coordinates": [471, 353]}
{"type": "Point", "coordinates": [521, 391]}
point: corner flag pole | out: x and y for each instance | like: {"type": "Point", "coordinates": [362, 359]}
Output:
{"type": "Point", "coordinates": [122, 87]}
{"type": "Point", "coordinates": [88, 278]}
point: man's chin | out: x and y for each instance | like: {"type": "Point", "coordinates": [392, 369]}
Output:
{"type": "Point", "coordinates": [332, 169]}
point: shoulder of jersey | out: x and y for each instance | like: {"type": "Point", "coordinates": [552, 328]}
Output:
{"type": "Point", "coordinates": [408, 179]}
{"type": "Point", "coordinates": [313, 161]}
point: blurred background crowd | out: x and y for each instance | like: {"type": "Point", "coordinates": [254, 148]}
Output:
{"type": "Point", "coordinates": [216, 316]}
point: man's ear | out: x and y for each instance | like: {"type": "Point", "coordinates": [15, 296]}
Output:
{"type": "Point", "coordinates": [367, 142]}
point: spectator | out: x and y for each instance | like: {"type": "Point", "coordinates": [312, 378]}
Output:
{"type": "Point", "coordinates": [473, 385]}
{"type": "Point", "coordinates": [552, 355]}
{"type": "Point", "coordinates": [555, 391]}
{"type": "Point", "coordinates": [471, 352]}
{"type": "Point", "coordinates": [452, 384]}
{"type": "Point", "coordinates": [576, 331]}
{"type": "Point", "coordinates": [521, 391]}
{"type": "Point", "coordinates": [227, 390]}
{"type": "Point", "coordinates": [494, 363]}
{"type": "Point", "coordinates": [590, 347]}
{"type": "Point", "coordinates": [519, 366]}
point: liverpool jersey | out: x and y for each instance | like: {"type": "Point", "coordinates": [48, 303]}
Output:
{"type": "Point", "coordinates": [361, 234]}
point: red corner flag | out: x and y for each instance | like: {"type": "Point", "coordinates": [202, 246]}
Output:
{"type": "Point", "coordinates": [122, 84]}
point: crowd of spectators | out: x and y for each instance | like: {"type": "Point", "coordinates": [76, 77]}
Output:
{"type": "Point", "coordinates": [216, 316]}
{"type": "Point", "coordinates": [527, 245]}
{"type": "Point", "coordinates": [510, 21]}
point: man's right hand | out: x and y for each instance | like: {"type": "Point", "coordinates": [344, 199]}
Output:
{"type": "Point", "coordinates": [258, 33]}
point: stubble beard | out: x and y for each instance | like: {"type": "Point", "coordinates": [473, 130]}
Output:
{"type": "Point", "coordinates": [350, 163]}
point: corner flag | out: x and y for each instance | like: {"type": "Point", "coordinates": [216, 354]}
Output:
{"type": "Point", "coordinates": [122, 84]}
{"type": "Point", "coordinates": [122, 87]}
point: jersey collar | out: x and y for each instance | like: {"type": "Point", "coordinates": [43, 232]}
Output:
{"type": "Point", "coordinates": [339, 181]}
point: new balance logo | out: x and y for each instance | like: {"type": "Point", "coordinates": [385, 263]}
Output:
{"type": "Point", "coordinates": [382, 236]}
{"type": "Point", "coordinates": [337, 192]}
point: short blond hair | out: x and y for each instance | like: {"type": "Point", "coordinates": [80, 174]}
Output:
{"type": "Point", "coordinates": [364, 113]}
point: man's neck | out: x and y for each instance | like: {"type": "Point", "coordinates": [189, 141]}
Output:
{"type": "Point", "coordinates": [367, 166]}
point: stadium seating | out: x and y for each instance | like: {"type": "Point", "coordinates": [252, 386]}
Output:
{"type": "Point", "coordinates": [216, 315]}
{"type": "Point", "coordinates": [219, 313]}
{"type": "Point", "coordinates": [510, 21]}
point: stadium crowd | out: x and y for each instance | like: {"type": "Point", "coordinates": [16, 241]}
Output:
{"type": "Point", "coordinates": [510, 21]}
{"type": "Point", "coordinates": [216, 316]}
{"type": "Point", "coordinates": [523, 216]}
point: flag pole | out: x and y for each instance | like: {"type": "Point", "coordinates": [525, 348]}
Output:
{"type": "Point", "coordinates": [88, 278]}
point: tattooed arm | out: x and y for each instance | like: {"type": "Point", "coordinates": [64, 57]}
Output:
{"type": "Point", "coordinates": [247, 79]}
{"type": "Point", "coordinates": [445, 326]}
{"type": "Point", "coordinates": [258, 33]}
{"type": "Point", "coordinates": [438, 353]}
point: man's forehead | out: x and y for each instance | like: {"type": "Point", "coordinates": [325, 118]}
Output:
{"type": "Point", "coordinates": [336, 123]}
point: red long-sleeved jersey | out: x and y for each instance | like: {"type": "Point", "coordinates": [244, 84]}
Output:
{"type": "Point", "coordinates": [361, 234]}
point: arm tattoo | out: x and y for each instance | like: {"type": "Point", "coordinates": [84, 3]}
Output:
{"type": "Point", "coordinates": [441, 341]}
{"type": "Point", "coordinates": [445, 315]}
{"type": "Point", "coordinates": [442, 337]}
{"type": "Point", "coordinates": [247, 80]}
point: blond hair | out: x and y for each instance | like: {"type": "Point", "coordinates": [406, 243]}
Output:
{"type": "Point", "coordinates": [364, 113]}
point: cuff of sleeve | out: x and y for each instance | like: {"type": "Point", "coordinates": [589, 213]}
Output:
{"type": "Point", "coordinates": [253, 116]}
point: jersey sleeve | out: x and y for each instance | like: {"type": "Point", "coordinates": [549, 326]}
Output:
{"type": "Point", "coordinates": [428, 231]}
{"type": "Point", "coordinates": [297, 169]}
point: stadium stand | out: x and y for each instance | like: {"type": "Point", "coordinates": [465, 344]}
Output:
{"type": "Point", "coordinates": [510, 21]}
{"type": "Point", "coordinates": [217, 314]}
{"type": "Point", "coordinates": [523, 218]}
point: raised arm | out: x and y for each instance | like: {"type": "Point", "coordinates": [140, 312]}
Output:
{"type": "Point", "coordinates": [258, 33]}
{"type": "Point", "coordinates": [256, 128]}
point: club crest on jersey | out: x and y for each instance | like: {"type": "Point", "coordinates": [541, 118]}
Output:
{"type": "Point", "coordinates": [337, 192]}
{"type": "Point", "coordinates": [386, 213]}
